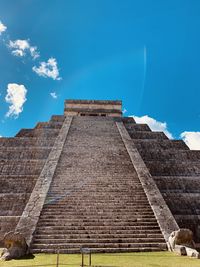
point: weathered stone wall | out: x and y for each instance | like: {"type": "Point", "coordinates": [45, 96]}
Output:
{"type": "Point", "coordinates": [31, 213]}
{"type": "Point", "coordinates": [176, 171]}
{"type": "Point", "coordinates": [162, 213]}
{"type": "Point", "coordinates": [77, 107]}
{"type": "Point", "coordinates": [93, 105]}
{"type": "Point", "coordinates": [38, 132]}
{"type": "Point", "coordinates": [21, 161]}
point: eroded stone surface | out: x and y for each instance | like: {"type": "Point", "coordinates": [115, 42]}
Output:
{"type": "Point", "coordinates": [31, 213]}
{"type": "Point", "coordinates": [15, 246]}
{"type": "Point", "coordinates": [162, 213]}
{"type": "Point", "coordinates": [182, 243]}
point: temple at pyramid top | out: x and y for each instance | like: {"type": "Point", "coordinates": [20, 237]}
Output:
{"type": "Point", "coordinates": [104, 108]}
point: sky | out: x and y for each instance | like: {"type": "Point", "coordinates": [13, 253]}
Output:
{"type": "Point", "coordinates": [145, 53]}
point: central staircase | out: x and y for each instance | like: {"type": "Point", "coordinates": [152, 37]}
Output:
{"type": "Point", "coordinates": [96, 199]}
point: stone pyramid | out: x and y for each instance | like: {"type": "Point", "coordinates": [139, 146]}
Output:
{"type": "Point", "coordinates": [92, 178]}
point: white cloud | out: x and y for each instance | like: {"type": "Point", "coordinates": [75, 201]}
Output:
{"type": "Point", "coordinates": [48, 69]}
{"type": "Point", "coordinates": [21, 47]}
{"type": "Point", "coordinates": [2, 28]}
{"type": "Point", "coordinates": [34, 53]}
{"type": "Point", "coordinates": [124, 111]}
{"type": "Point", "coordinates": [16, 97]}
{"type": "Point", "coordinates": [192, 139]}
{"type": "Point", "coordinates": [54, 95]}
{"type": "Point", "coordinates": [155, 125]}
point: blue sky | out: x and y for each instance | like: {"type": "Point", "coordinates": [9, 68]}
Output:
{"type": "Point", "coordinates": [145, 53]}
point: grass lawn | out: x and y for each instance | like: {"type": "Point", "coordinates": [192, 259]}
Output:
{"type": "Point", "coordinates": [150, 259]}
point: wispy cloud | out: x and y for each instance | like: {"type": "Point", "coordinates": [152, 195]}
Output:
{"type": "Point", "coordinates": [54, 95]}
{"type": "Point", "coordinates": [192, 139]}
{"type": "Point", "coordinates": [16, 97]}
{"type": "Point", "coordinates": [154, 125]}
{"type": "Point", "coordinates": [48, 69]}
{"type": "Point", "coordinates": [21, 47]}
{"type": "Point", "coordinates": [124, 111]}
{"type": "Point", "coordinates": [2, 28]}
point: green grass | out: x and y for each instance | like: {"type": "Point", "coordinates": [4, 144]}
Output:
{"type": "Point", "coordinates": [150, 259]}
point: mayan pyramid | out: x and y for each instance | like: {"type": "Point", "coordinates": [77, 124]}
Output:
{"type": "Point", "coordinates": [92, 178]}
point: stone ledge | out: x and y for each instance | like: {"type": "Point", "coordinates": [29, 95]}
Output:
{"type": "Point", "coordinates": [78, 101]}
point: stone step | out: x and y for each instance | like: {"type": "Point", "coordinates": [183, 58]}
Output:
{"type": "Point", "coordinates": [27, 154]}
{"type": "Point", "coordinates": [179, 184]}
{"type": "Point", "coordinates": [96, 232]}
{"type": "Point", "coordinates": [90, 188]}
{"type": "Point", "coordinates": [49, 125]}
{"type": "Point", "coordinates": [40, 132]}
{"type": "Point", "coordinates": [128, 120]}
{"type": "Point", "coordinates": [97, 209]}
{"type": "Point", "coordinates": [17, 183]}
{"type": "Point", "coordinates": [98, 245]}
{"type": "Point", "coordinates": [95, 170]}
{"type": "Point", "coordinates": [57, 118]}
{"type": "Point", "coordinates": [147, 135]}
{"type": "Point", "coordinates": [96, 188]}
{"type": "Point", "coordinates": [100, 185]}
{"type": "Point", "coordinates": [71, 191]}
{"type": "Point", "coordinates": [70, 195]}
{"type": "Point", "coordinates": [173, 167]}
{"type": "Point", "coordinates": [93, 224]}
{"type": "Point", "coordinates": [59, 208]}
{"type": "Point", "coordinates": [133, 127]}
{"type": "Point", "coordinates": [63, 201]}
{"type": "Point", "coordinates": [191, 203]}
{"type": "Point", "coordinates": [99, 241]}
{"type": "Point", "coordinates": [22, 167]}
{"type": "Point", "coordinates": [145, 144]}
{"type": "Point", "coordinates": [87, 190]}
{"type": "Point", "coordinates": [94, 213]}
{"type": "Point", "coordinates": [189, 217]}
{"type": "Point", "coordinates": [169, 154]}
{"type": "Point", "coordinates": [97, 219]}
{"type": "Point", "coordinates": [99, 250]}
{"type": "Point", "coordinates": [68, 201]}
{"type": "Point", "coordinates": [12, 204]}
{"type": "Point", "coordinates": [22, 142]}
{"type": "Point", "coordinates": [97, 236]}
{"type": "Point", "coordinates": [97, 216]}
{"type": "Point", "coordinates": [91, 196]}
{"type": "Point", "coordinates": [98, 229]}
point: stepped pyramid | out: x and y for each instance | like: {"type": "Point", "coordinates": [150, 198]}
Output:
{"type": "Point", "coordinates": [92, 178]}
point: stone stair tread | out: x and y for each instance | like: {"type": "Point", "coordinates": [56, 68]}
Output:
{"type": "Point", "coordinates": [99, 240]}
{"type": "Point", "coordinates": [92, 235]}
{"type": "Point", "coordinates": [96, 193]}
{"type": "Point", "coordinates": [96, 245]}
{"type": "Point", "coordinates": [96, 229]}
{"type": "Point", "coordinates": [98, 250]}
{"type": "Point", "coordinates": [85, 220]}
